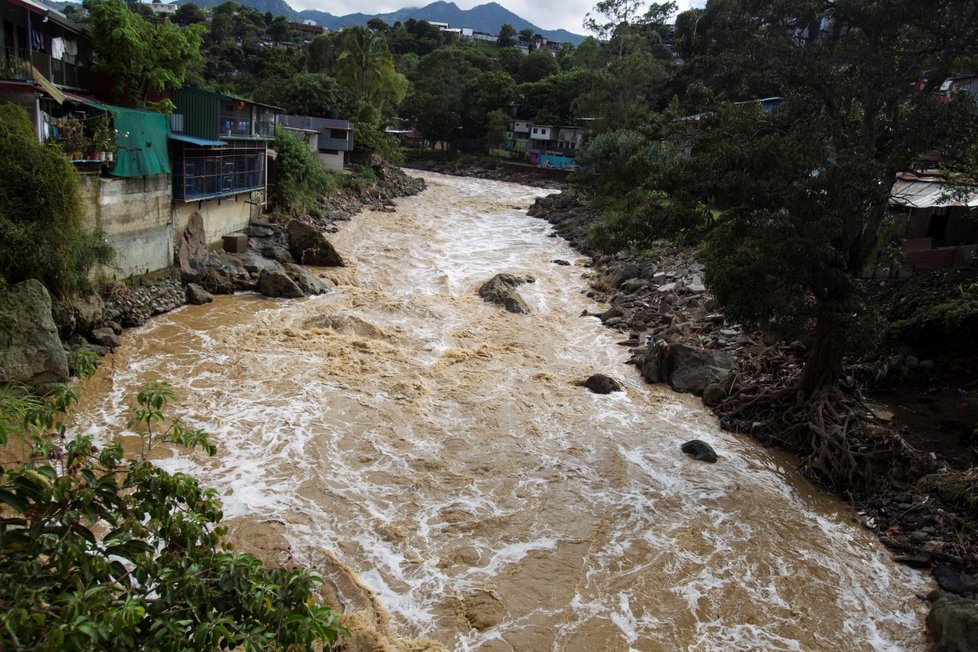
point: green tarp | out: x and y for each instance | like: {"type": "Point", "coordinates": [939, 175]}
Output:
{"type": "Point", "coordinates": [140, 138]}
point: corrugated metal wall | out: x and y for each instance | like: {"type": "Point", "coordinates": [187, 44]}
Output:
{"type": "Point", "coordinates": [201, 112]}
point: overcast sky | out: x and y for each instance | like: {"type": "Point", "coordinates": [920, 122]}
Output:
{"type": "Point", "coordinates": [546, 14]}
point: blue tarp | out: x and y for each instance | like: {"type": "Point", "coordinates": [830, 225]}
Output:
{"type": "Point", "coordinates": [203, 142]}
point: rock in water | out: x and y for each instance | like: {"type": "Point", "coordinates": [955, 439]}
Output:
{"type": "Point", "coordinates": [700, 450]}
{"type": "Point", "coordinates": [310, 247]}
{"type": "Point", "coordinates": [198, 296]}
{"type": "Point", "coordinates": [501, 290]}
{"type": "Point", "coordinates": [30, 350]}
{"type": "Point", "coordinates": [601, 384]}
{"type": "Point", "coordinates": [308, 283]}
{"type": "Point", "coordinates": [276, 283]}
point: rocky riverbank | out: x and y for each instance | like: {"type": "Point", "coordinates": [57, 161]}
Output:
{"type": "Point", "coordinates": [267, 257]}
{"type": "Point", "coordinates": [678, 335]}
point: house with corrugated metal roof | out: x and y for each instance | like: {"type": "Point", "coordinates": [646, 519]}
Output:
{"type": "Point", "coordinates": [937, 219]}
{"type": "Point", "coordinates": [219, 154]}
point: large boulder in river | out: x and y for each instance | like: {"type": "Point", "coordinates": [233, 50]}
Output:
{"type": "Point", "coordinates": [686, 368]}
{"type": "Point", "coordinates": [276, 283]}
{"type": "Point", "coordinates": [501, 290]}
{"type": "Point", "coordinates": [601, 384]}
{"type": "Point", "coordinates": [30, 350]}
{"type": "Point", "coordinates": [78, 314]}
{"type": "Point", "coordinates": [700, 450]}
{"type": "Point", "coordinates": [310, 247]}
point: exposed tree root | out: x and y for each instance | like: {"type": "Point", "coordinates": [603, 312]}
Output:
{"type": "Point", "coordinates": [841, 443]}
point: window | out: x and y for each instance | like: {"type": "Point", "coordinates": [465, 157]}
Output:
{"type": "Point", "coordinates": [207, 172]}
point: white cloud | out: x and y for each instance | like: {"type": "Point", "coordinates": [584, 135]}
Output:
{"type": "Point", "coordinates": [547, 14]}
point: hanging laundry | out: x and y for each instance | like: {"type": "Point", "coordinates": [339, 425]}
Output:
{"type": "Point", "coordinates": [57, 48]}
{"type": "Point", "coordinates": [71, 51]}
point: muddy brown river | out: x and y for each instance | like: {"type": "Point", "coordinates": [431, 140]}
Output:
{"type": "Point", "coordinates": [432, 456]}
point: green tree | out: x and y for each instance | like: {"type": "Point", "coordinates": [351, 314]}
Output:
{"type": "Point", "coordinates": [102, 552]}
{"type": "Point", "coordinates": [189, 14]}
{"type": "Point", "coordinates": [365, 64]}
{"type": "Point", "coordinates": [280, 30]}
{"type": "Point", "coordinates": [312, 94]}
{"type": "Point", "coordinates": [41, 234]}
{"type": "Point", "coordinates": [507, 36]}
{"type": "Point", "coordinates": [537, 65]}
{"type": "Point", "coordinates": [144, 59]}
{"type": "Point", "coordinates": [296, 178]}
{"type": "Point", "coordinates": [378, 25]}
{"type": "Point", "coordinates": [497, 126]}
{"type": "Point", "coordinates": [790, 203]}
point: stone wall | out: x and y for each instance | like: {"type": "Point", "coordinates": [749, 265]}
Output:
{"type": "Point", "coordinates": [221, 216]}
{"type": "Point", "coordinates": [135, 216]}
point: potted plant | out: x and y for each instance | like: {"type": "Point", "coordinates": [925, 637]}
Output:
{"type": "Point", "coordinates": [103, 139]}
{"type": "Point", "coordinates": [70, 135]}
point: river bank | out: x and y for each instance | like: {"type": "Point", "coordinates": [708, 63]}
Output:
{"type": "Point", "coordinates": [132, 302]}
{"type": "Point", "coordinates": [926, 513]}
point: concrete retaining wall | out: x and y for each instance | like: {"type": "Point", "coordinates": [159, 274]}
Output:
{"type": "Point", "coordinates": [221, 216]}
{"type": "Point", "coordinates": [134, 214]}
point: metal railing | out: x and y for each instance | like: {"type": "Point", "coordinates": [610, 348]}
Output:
{"type": "Point", "coordinates": [16, 64]}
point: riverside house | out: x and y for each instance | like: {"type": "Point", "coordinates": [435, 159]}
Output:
{"type": "Point", "coordinates": [119, 152]}
{"type": "Point", "coordinates": [331, 140]}
{"type": "Point", "coordinates": [219, 152]}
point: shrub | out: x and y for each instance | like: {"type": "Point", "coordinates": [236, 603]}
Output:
{"type": "Point", "coordinates": [40, 212]}
{"type": "Point", "coordinates": [369, 141]}
{"type": "Point", "coordinates": [98, 551]}
{"type": "Point", "coordinates": [296, 178]}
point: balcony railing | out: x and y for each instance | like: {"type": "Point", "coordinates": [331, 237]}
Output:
{"type": "Point", "coordinates": [16, 64]}
{"type": "Point", "coordinates": [341, 144]}
{"type": "Point", "coordinates": [234, 127]}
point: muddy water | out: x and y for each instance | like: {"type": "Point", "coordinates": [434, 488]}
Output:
{"type": "Point", "coordinates": [433, 455]}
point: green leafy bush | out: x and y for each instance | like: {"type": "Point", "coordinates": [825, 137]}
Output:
{"type": "Point", "coordinates": [369, 140]}
{"type": "Point", "coordinates": [296, 178]}
{"type": "Point", "coordinates": [41, 234]}
{"type": "Point", "coordinates": [98, 551]}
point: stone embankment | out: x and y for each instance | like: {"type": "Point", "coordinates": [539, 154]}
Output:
{"type": "Point", "coordinates": [267, 261]}
{"type": "Point", "coordinates": [678, 335]}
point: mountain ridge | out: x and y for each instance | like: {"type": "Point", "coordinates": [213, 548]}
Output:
{"type": "Point", "coordinates": [487, 17]}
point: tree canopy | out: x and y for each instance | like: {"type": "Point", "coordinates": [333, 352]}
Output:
{"type": "Point", "coordinates": [145, 59]}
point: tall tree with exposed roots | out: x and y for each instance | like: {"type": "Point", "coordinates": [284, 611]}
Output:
{"type": "Point", "coordinates": [790, 203]}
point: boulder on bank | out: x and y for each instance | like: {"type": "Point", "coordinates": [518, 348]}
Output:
{"type": "Point", "coordinates": [501, 290]}
{"type": "Point", "coordinates": [686, 368]}
{"type": "Point", "coordinates": [601, 384]}
{"type": "Point", "coordinates": [276, 283]}
{"type": "Point", "coordinates": [310, 247]}
{"type": "Point", "coordinates": [78, 313]}
{"type": "Point", "coordinates": [700, 450]}
{"type": "Point", "coordinates": [308, 283]}
{"type": "Point", "coordinates": [30, 350]}
{"type": "Point", "coordinates": [192, 251]}
{"type": "Point", "coordinates": [198, 296]}
{"type": "Point", "coordinates": [953, 623]}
